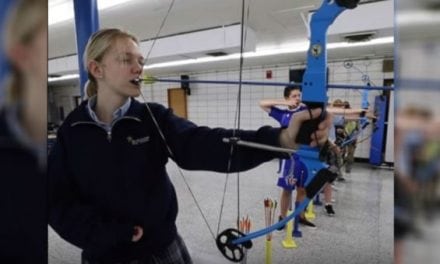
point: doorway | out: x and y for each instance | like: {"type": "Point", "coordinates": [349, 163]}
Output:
{"type": "Point", "coordinates": [177, 102]}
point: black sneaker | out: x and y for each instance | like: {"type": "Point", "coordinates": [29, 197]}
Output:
{"type": "Point", "coordinates": [341, 179]}
{"type": "Point", "coordinates": [280, 228]}
{"type": "Point", "coordinates": [307, 223]}
{"type": "Point", "coordinates": [329, 210]}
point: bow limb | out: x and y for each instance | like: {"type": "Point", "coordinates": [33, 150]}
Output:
{"type": "Point", "coordinates": [273, 227]}
{"type": "Point", "coordinates": [313, 185]}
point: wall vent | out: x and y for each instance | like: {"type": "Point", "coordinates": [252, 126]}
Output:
{"type": "Point", "coordinates": [217, 54]}
{"type": "Point", "coordinates": [359, 37]}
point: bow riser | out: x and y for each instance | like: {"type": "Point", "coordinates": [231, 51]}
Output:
{"type": "Point", "coordinates": [314, 89]}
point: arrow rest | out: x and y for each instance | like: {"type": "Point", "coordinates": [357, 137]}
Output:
{"type": "Point", "coordinates": [233, 252]}
{"type": "Point", "coordinates": [232, 140]}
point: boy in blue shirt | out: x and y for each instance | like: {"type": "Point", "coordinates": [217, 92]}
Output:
{"type": "Point", "coordinates": [293, 172]}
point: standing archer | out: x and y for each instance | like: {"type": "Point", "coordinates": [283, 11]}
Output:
{"type": "Point", "coordinates": [109, 193]}
{"type": "Point", "coordinates": [289, 176]}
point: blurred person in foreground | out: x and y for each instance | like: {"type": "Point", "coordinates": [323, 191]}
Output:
{"type": "Point", "coordinates": [416, 172]}
{"type": "Point", "coordinates": [23, 223]}
{"type": "Point", "coordinates": [418, 83]}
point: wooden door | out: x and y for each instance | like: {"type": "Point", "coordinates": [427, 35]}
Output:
{"type": "Point", "coordinates": [177, 101]}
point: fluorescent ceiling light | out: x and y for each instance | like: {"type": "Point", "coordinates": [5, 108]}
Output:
{"type": "Point", "coordinates": [261, 52]}
{"type": "Point", "coordinates": [63, 78]}
{"type": "Point", "coordinates": [60, 10]}
{"type": "Point", "coordinates": [253, 54]}
{"type": "Point", "coordinates": [296, 48]}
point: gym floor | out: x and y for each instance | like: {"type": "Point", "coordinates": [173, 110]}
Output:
{"type": "Point", "coordinates": [360, 232]}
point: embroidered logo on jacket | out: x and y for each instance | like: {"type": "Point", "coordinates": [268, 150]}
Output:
{"type": "Point", "coordinates": [137, 141]}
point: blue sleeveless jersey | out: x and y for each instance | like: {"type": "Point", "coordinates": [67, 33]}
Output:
{"type": "Point", "coordinates": [293, 167]}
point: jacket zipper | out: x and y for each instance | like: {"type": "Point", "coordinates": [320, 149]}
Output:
{"type": "Point", "coordinates": [109, 133]}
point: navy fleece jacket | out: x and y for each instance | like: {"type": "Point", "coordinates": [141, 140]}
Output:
{"type": "Point", "coordinates": [23, 202]}
{"type": "Point", "coordinates": [103, 184]}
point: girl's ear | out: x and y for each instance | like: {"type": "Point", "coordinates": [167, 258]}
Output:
{"type": "Point", "coordinates": [95, 69]}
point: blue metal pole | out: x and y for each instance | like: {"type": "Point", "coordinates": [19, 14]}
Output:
{"type": "Point", "coordinates": [5, 5]}
{"type": "Point", "coordinates": [86, 23]}
{"type": "Point", "coordinates": [333, 86]}
{"type": "Point", "coordinates": [419, 84]}
{"type": "Point", "coordinates": [356, 87]}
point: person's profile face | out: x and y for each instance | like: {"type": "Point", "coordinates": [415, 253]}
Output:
{"type": "Point", "coordinates": [122, 64]}
{"type": "Point", "coordinates": [294, 97]}
{"type": "Point", "coordinates": [38, 58]}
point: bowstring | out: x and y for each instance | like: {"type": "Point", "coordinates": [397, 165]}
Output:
{"type": "Point", "coordinates": [237, 118]}
{"type": "Point", "coordinates": [170, 152]}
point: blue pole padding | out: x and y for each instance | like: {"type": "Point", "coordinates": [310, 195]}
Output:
{"type": "Point", "coordinates": [378, 136]}
{"type": "Point", "coordinates": [86, 23]}
{"type": "Point", "coordinates": [359, 87]}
